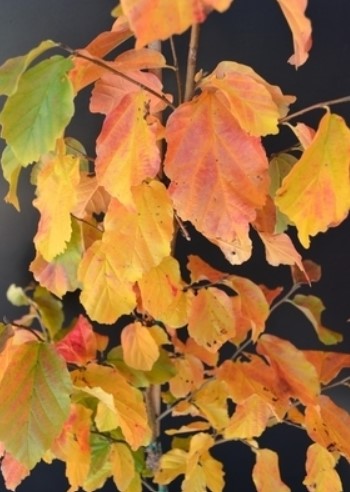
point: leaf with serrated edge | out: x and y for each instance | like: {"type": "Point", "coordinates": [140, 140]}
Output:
{"type": "Point", "coordinates": [38, 112]}
{"type": "Point", "coordinates": [315, 195]}
{"type": "Point", "coordinates": [38, 404]}
{"type": "Point", "coordinates": [218, 173]}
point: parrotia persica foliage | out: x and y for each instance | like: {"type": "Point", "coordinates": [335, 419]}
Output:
{"type": "Point", "coordinates": [108, 226]}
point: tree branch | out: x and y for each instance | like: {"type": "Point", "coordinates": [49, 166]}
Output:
{"type": "Point", "coordinates": [177, 70]}
{"type": "Point", "coordinates": [192, 62]}
{"type": "Point", "coordinates": [320, 105]}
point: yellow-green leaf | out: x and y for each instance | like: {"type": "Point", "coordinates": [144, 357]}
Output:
{"type": "Point", "coordinates": [11, 169]}
{"type": "Point", "coordinates": [33, 410]}
{"type": "Point", "coordinates": [38, 112]}
{"type": "Point", "coordinates": [315, 195]}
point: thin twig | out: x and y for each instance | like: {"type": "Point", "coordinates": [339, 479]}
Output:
{"type": "Point", "coordinates": [320, 105]}
{"type": "Point", "coordinates": [177, 69]}
{"type": "Point", "coordinates": [27, 328]}
{"type": "Point", "coordinates": [285, 297]}
{"type": "Point", "coordinates": [147, 486]}
{"type": "Point", "coordinates": [106, 65]}
{"type": "Point", "coordinates": [337, 383]}
{"type": "Point", "coordinates": [192, 62]}
{"type": "Point", "coordinates": [241, 348]}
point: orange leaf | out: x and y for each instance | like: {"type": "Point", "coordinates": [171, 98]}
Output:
{"type": "Point", "coordinates": [255, 104]}
{"type": "Point", "coordinates": [251, 309]}
{"type": "Point", "coordinates": [211, 322]}
{"type": "Point", "coordinates": [99, 272]}
{"type": "Point", "coordinates": [13, 471]}
{"type": "Point", "coordinates": [329, 425]}
{"type": "Point", "coordinates": [84, 72]}
{"type": "Point", "coordinates": [313, 272]}
{"type": "Point", "coordinates": [315, 195]}
{"type": "Point", "coordinates": [266, 474]}
{"type": "Point", "coordinates": [140, 350]}
{"type": "Point", "coordinates": [127, 151]}
{"type": "Point", "coordinates": [292, 366]}
{"type": "Point", "coordinates": [321, 475]}
{"type": "Point", "coordinates": [162, 293]}
{"type": "Point", "coordinates": [189, 376]}
{"type": "Point", "coordinates": [79, 346]}
{"type": "Point", "coordinates": [211, 399]}
{"type": "Point", "coordinates": [249, 419]}
{"type": "Point", "coordinates": [57, 181]}
{"type": "Point", "coordinates": [294, 12]}
{"type": "Point", "coordinates": [328, 364]}
{"type": "Point", "coordinates": [153, 19]}
{"type": "Point", "coordinates": [218, 173]}
{"type": "Point", "coordinates": [202, 271]}
{"type": "Point", "coordinates": [280, 250]}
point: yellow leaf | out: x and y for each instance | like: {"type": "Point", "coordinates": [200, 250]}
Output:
{"type": "Point", "coordinates": [11, 169]}
{"type": "Point", "coordinates": [123, 466]}
{"type": "Point", "coordinates": [140, 239]}
{"type": "Point", "coordinates": [266, 474]}
{"type": "Point", "coordinates": [211, 322]}
{"type": "Point", "coordinates": [56, 196]}
{"type": "Point", "coordinates": [214, 474]}
{"type": "Point", "coordinates": [315, 195]}
{"type": "Point", "coordinates": [128, 402]}
{"type": "Point", "coordinates": [127, 150]}
{"type": "Point", "coordinates": [162, 293]}
{"type": "Point", "coordinates": [249, 419]}
{"type": "Point", "coordinates": [211, 399]}
{"type": "Point", "coordinates": [312, 307]}
{"type": "Point", "coordinates": [189, 428]}
{"type": "Point", "coordinates": [105, 295]}
{"type": "Point", "coordinates": [321, 475]}
{"type": "Point", "coordinates": [140, 350]}
{"type": "Point", "coordinates": [300, 25]}
{"type": "Point", "coordinates": [256, 105]}
{"type": "Point", "coordinates": [152, 19]}
{"type": "Point", "coordinates": [292, 366]}
{"type": "Point", "coordinates": [219, 186]}
{"type": "Point", "coordinates": [172, 464]}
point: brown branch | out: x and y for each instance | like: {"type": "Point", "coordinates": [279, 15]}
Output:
{"type": "Point", "coordinates": [177, 69]}
{"type": "Point", "coordinates": [103, 64]}
{"type": "Point", "coordinates": [192, 62]}
{"type": "Point", "coordinates": [320, 105]}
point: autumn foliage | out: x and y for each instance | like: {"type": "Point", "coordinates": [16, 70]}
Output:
{"type": "Point", "coordinates": [194, 344]}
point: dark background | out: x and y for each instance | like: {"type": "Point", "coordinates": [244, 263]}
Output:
{"type": "Point", "coordinates": [255, 33]}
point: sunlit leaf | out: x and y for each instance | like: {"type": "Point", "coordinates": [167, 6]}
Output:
{"type": "Point", "coordinates": [139, 347]}
{"type": "Point", "coordinates": [292, 365]}
{"type": "Point", "coordinates": [266, 474]}
{"type": "Point", "coordinates": [312, 307]}
{"type": "Point", "coordinates": [38, 404]}
{"type": "Point", "coordinates": [315, 195]}
{"type": "Point", "coordinates": [56, 196]}
{"type": "Point", "coordinates": [38, 112]}
{"type": "Point", "coordinates": [321, 475]}
{"type": "Point", "coordinates": [12, 70]}
{"type": "Point", "coordinates": [127, 151]}
{"type": "Point", "coordinates": [99, 272]}
{"type": "Point", "coordinates": [153, 20]}
{"type": "Point", "coordinates": [211, 322]}
{"type": "Point", "coordinates": [218, 173]}
{"type": "Point", "coordinates": [254, 103]}
{"type": "Point", "coordinates": [300, 25]}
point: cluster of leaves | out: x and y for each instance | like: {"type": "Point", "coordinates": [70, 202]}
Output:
{"type": "Point", "coordinates": [108, 228]}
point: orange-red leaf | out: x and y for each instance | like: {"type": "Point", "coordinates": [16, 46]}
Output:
{"type": "Point", "coordinates": [292, 366]}
{"type": "Point", "coordinates": [300, 25]}
{"type": "Point", "coordinates": [154, 19]}
{"type": "Point", "coordinates": [218, 173]}
{"type": "Point", "coordinates": [127, 151]}
{"type": "Point", "coordinates": [140, 350]}
{"type": "Point", "coordinates": [13, 471]}
{"type": "Point", "coordinates": [266, 474]}
{"type": "Point", "coordinates": [79, 346]}
{"type": "Point", "coordinates": [255, 104]}
{"type": "Point", "coordinates": [328, 364]}
{"type": "Point", "coordinates": [315, 195]}
{"type": "Point", "coordinates": [321, 475]}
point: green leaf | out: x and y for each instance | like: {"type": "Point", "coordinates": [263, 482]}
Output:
{"type": "Point", "coordinates": [11, 169]}
{"type": "Point", "coordinates": [12, 70]}
{"type": "Point", "coordinates": [35, 401]}
{"type": "Point", "coordinates": [16, 296]}
{"type": "Point", "coordinates": [50, 310]}
{"type": "Point", "coordinates": [100, 468]}
{"type": "Point", "coordinates": [38, 112]}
